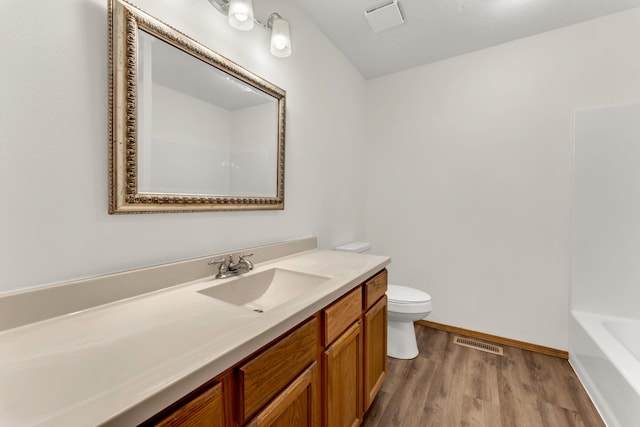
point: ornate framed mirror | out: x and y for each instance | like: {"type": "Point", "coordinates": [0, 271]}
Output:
{"type": "Point", "coordinates": [190, 130]}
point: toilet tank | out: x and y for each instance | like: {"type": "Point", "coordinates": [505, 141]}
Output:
{"type": "Point", "coordinates": [354, 247]}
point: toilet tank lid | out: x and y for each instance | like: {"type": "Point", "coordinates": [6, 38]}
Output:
{"type": "Point", "coordinates": [354, 247]}
{"type": "Point", "coordinates": [405, 294]}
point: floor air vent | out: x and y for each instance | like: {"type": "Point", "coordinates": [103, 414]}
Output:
{"type": "Point", "coordinates": [478, 345]}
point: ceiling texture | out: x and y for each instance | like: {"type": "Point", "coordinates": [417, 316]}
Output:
{"type": "Point", "coordinates": [434, 30]}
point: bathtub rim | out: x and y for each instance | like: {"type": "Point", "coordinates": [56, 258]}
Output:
{"type": "Point", "coordinates": [616, 352]}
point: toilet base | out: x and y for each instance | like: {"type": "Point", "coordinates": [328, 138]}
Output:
{"type": "Point", "coordinates": [401, 340]}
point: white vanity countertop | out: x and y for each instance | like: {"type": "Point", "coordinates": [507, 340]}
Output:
{"type": "Point", "coordinates": [122, 362]}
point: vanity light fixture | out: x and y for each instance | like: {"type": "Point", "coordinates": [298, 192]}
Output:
{"type": "Point", "coordinates": [280, 36]}
{"type": "Point", "coordinates": [240, 15]}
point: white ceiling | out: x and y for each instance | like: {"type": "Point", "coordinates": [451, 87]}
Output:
{"type": "Point", "coordinates": [439, 29]}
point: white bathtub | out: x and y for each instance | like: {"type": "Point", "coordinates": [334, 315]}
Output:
{"type": "Point", "coordinates": [605, 353]}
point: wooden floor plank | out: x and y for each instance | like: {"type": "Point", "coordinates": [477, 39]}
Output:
{"type": "Point", "coordinates": [449, 385]}
{"type": "Point", "coordinates": [551, 379]}
{"type": "Point", "coordinates": [471, 412]}
{"type": "Point", "coordinates": [480, 379]}
{"type": "Point", "coordinates": [386, 394]}
{"type": "Point", "coordinates": [552, 415]}
{"type": "Point", "coordinates": [587, 414]}
{"type": "Point", "coordinates": [444, 394]}
{"type": "Point", "coordinates": [413, 385]}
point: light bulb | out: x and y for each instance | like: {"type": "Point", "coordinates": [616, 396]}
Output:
{"type": "Point", "coordinates": [241, 14]}
{"type": "Point", "coordinates": [241, 17]}
{"type": "Point", "coordinates": [279, 42]}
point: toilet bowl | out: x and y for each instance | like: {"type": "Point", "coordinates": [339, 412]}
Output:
{"type": "Point", "coordinates": [404, 306]}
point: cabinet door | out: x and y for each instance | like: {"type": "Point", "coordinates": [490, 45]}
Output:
{"type": "Point", "coordinates": [375, 350]}
{"type": "Point", "coordinates": [296, 406]}
{"type": "Point", "coordinates": [206, 409]}
{"type": "Point", "coordinates": [342, 379]}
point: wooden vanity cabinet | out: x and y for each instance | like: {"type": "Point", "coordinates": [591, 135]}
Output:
{"type": "Point", "coordinates": [283, 374]}
{"type": "Point", "coordinates": [204, 407]}
{"type": "Point", "coordinates": [278, 385]}
{"type": "Point", "coordinates": [296, 406]}
{"type": "Point", "coordinates": [342, 379]}
{"type": "Point", "coordinates": [375, 335]}
{"type": "Point", "coordinates": [324, 372]}
{"type": "Point", "coordinates": [375, 350]}
{"type": "Point", "coordinates": [374, 289]}
{"type": "Point", "coordinates": [342, 361]}
{"type": "Point", "coordinates": [337, 317]}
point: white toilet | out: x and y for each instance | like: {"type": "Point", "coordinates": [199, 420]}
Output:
{"type": "Point", "coordinates": [405, 305]}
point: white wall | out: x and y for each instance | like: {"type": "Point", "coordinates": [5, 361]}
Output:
{"type": "Point", "coordinates": [605, 274]}
{"type": "Point", "coordinates": [54, 224]}
{"type": "Point", "coordinates": [469, 172]}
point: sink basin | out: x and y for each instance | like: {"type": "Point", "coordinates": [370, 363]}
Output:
{"type": "Point", "coordinates": [263, 291]}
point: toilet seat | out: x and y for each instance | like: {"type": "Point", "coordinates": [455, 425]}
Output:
{"type": "Point", "coordinates": [402, 299]}
{"type": "Point", "coordinates": [406, 295]}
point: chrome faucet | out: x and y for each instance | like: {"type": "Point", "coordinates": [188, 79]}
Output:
{"type": "Point", "coordinates": [228, 268]}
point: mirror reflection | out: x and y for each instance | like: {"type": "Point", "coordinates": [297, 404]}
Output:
{"type": "Point", "coordinates": [201, 131]}
{"type": "Point", "coordinates": [189, 129]}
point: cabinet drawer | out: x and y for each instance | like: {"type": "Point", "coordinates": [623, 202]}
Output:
{"type": "Point", "coordinates": [341, 314]}
{"type": "Point", "coordinates": [265, 375]}
{"type": "Point", "coordinates": [375, 288]}
{"type": "Point", "coordinates": [204, 409]}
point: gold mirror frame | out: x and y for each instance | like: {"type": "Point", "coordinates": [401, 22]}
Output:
{"type": "Point", "coordinates": [124, 22]}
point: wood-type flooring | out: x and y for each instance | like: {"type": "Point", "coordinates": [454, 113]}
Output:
{"type": "Point", "coordinates": [448, 385]}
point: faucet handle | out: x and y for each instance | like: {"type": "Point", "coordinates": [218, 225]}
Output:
{"type": "Point", "coordinates": [223, 265]}
{"type": "Point", "coordinates": [241, 258]}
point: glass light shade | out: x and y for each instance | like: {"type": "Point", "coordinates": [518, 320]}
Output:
{"type": "Point", "coordinates": [280, 38]}
{"type": "Point", "coordinates": [241, 14]}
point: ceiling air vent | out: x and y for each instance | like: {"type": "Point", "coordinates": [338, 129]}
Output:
{"type": "Point", "coordinates": [384, 17]}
